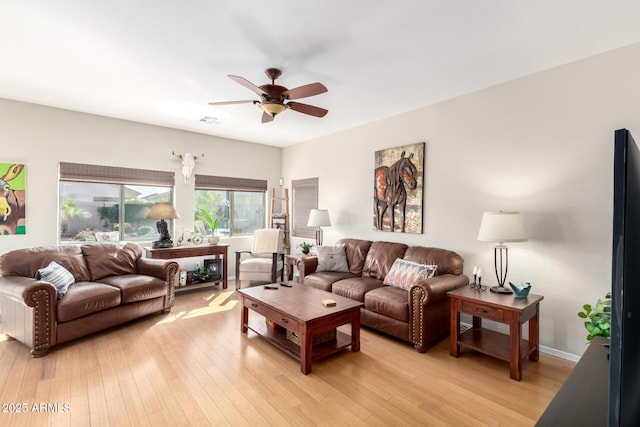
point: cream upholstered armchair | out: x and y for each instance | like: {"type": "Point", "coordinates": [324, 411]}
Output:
{"type": "Point", "coordinates": [264, 261]}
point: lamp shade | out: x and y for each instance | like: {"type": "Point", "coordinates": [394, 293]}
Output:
{"type": "Point", "coordinates": [502, 227]}
{"type": "Point", "coordinates": [319, 218]}
{"type": "Point", "coordinates": [162, 210]}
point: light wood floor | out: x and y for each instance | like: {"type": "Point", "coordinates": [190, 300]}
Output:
{"type": "Point", "coordinates": [194, 367]}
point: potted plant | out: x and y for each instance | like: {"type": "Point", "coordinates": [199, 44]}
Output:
{"type": "Point", "coordinates": [305, 247]}
{"type": "Point", "coordinates": [206, 217]}
{"type": "Point", "coordinates": [599, 318]}
{"type": "Point", "coordinates": [202, 273]}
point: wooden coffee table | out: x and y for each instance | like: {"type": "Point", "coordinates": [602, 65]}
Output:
{"type": "Point", "coordinates": [300, 310]}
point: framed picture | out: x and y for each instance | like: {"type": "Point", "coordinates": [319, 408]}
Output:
{"type": "Point", "coordinates": [12, 199]}
{"type": "Point", "coordinates": [215, 268]}
{"type": "Point", "coordinates": [397, 183]}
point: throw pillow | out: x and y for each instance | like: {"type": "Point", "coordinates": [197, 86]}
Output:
{"type": "Point", "coordinates": [404, 274]}
{"type": "Point", "coordinates": [332, 258]}
{"type": "Point", "coordinates": [58, 276]}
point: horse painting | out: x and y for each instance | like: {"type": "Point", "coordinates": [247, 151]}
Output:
{"type": "Point", "coordinates": [391, 184]}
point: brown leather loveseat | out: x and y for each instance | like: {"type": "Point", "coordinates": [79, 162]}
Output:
{"type": "Point", "coordinates": [112, 284]}
{"type": "Point", "coordinates": [419, 314]}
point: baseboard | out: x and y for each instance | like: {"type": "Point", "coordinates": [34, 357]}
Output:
{"type": "Point", "coordinates": [558, 353]}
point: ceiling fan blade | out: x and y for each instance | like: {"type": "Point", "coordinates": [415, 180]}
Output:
{"type": "Point", "coordinates": [305, 91]}
{"type": "Point", "coordinates": [311, 110]}
{"type": "Point", "coordinates": [266, 117]}
{"type": "Point", "coordinates": [248, 101]}
{"type": "Point", "coordinates": [246, 83]}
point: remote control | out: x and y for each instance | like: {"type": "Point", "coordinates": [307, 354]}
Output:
{"type": "Point", "coordinates": [285, 284]}
{"type": "Point", "coordinates": [270, 287]}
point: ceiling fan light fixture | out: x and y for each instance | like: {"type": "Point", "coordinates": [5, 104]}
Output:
{"type": "Point", "coordinates": [273, 108]}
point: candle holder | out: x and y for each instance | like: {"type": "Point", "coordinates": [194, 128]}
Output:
{"type": "Point", "coordinates": [477, 281]}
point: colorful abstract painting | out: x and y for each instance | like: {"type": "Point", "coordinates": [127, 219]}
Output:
{"type": "Point", "coordinates": [12, 199]}
{"type": "Point", "coordinates": [397, 189]}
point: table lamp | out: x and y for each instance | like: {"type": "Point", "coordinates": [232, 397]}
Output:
{"type": "Point", "coordinates": [501, 227]}
{"type": "Point", "coordinates": [319, 218]}
{"type": "Point", "coordinates": [162, 211]}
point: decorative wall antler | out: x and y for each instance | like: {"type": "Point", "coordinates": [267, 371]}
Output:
{"type": "Point", "coordinates": [188, 163]}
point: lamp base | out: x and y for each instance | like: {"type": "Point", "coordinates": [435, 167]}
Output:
{"type": "Point", "coordinates": [500, 290]}
{"type": "Point", "coordinates": [163, 244]}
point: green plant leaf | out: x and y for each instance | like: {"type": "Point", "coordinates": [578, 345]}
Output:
{"type": "Point", "coordinates": [598, 317]}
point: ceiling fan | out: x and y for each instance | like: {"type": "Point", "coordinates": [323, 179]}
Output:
{"type": "Point", "coordinates": [273, 96]}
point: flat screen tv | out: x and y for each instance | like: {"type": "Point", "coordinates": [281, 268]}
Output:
{"type": "Point", "coordinates": [624, 361]}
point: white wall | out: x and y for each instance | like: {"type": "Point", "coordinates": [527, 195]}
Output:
{"type": "Point", "coordinates": [542, 145]}
{"type": "Point", "coordinates": [41, 137]}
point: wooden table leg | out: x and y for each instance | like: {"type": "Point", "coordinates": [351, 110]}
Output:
{"type": "Point", "coordinates": [515, 364]}
{"type": "Point", "coordinates": [534, 334]}
{"type": "Point", "coordinates": [305, 352]}
{"type": "Point", "coordinates": [476, 322]}
{"type": "Point", "coordinates": [245, 319]}
{"type": "Point", "coordinates": [289, 271]}
{"type": "Point", "coordinates": [225, 270]}
{"type": "Point", "coordinates": [454, 347]}
{"type": "Point", "coordinates": [355, 331]}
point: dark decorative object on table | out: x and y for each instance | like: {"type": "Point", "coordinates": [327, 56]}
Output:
{"type": "Point", "coordinates": [306, 247]}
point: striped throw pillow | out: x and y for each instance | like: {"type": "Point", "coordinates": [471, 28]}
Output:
{"type": "Point", "coordinates": [58, 276]}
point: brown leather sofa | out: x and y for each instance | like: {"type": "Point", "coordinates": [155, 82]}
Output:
{"type": "Point", "coordinates": [113, 285]}
{"type": "Point", "coordinates": [419, 315]}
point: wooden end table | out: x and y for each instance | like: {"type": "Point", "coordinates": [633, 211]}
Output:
{"type": "Point", "coordinates": [503, 308]}
{"type": "Point", "coordinates": [291, 261]}
{"type": "Point", "coordinates": [299, 309]}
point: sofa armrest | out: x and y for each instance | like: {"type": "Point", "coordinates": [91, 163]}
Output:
{"type": "Point", "coordinates": [23, 289]}
{"type": "Point", "coordinates": [437, 287]}
{"type": "Point", "coordinates": [429, 308]}
{"type": "Point", "coordinates": [33, 306]}
{"type": "Point", "coordinates": [306, 265]}
{"type": "Point", "coordinates": [166, 270]}
{"type": "Point", "coordinates": [160, 268]}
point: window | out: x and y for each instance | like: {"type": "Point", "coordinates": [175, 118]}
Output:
{"type": "Point", "coordinates": [305, 198]}
{"type": "Point", "coordinates": [95, 200]}
{"type": "Point", "coordinates": [239, 203]}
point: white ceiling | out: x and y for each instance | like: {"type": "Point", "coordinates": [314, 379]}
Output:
{"type": "Point", "coordinates": [162, 61]}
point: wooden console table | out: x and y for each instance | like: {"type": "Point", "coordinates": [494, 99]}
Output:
{"type": "Point", "coordinates": [503, 308]}
{"type": "Point", "coordinates": [217, 251]}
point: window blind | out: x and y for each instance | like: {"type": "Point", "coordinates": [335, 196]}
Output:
{"type": "Point", "coordinates": [114, 175]}
{"type": "Point", "coordinates": [209, 182]}
{"type": "Point", "coordinates": [305, 198]}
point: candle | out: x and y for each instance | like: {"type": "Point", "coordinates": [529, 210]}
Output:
{"type": "Point", "coordinates": [479, 273]}
{"type": "Point", "coordinates": [475, 270]}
